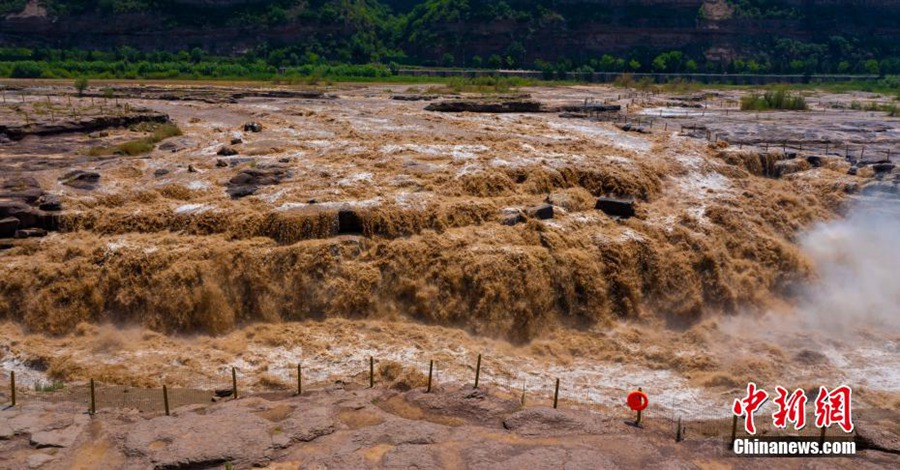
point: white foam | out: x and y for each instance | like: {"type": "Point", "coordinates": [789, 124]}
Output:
{"type": "Point", "coordinates": [192, 208]}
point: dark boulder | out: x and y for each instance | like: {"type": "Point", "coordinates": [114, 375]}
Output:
{"type": "Point", "coordinates": [249, 180]}
{"type": "Point", "coordinates": [28, 216]}
{"type": "Point", "coordinates": [814, 160]}
{"type": "Point", "coordinates": [788, 167]}
{"type": "Point", "coordinates": [168, 147]}
{"type": "Point", "coordinates": [236, 141]}
{"type": "Point", "coordinates": [487, 106]}
{"type": "Point", "coordinates": [160, 172]}
{"type": "Point", "coordinates": [413, 97]}
{"type": "Point", "coordinates": [238, 192]}
{"type": "Point", "coordinates": [49, 202]}
{"type": "Point", "coordinates": [31, 233]}
{"type": "Point", "coordinates": [8, 227]}
{"type": "Point", "coordinates": [81, 179]}
{"type": "Point", "coordinates": [883, 167]}
{"type": "Point", "coordinates": [226, 152]}
{"type": "Point", "coordinates": [616, 207]}
{"type": "Point", "coordinates": [591, 108]}
{"type": "Point", "coordinates": [221, 163]}
{"type": "Point", "coordinates": [24, 188]}
{"type": "Point", "coordinates": [9, 207]}
{"type": "Point", "coordinates": [259, 176]}
{"type": "Point", "coordinates": [511, 216]}
{"type": "Point", "coordinates": [25, 214]}
{"type": "Point", "coordinates": [253, 126]}
{"type": "Point", "coordinates": [47, 220]}
{"type": "Point", "coordinates": [852, 171]}
{"type": "Point", "coordinates": [349, 222]}
{"type": "Point", "coordinates": [542, 212]}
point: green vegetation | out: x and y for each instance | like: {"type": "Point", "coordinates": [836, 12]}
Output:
{"type": "Point", "coordinates": [41, 386]}
{"type": "Point", "coordinates": [777, 99]}
{"type": "Point", "coordinates": [485, 85]}
{"type": "Point", "coordinates": [11, 6]}
{"type": "Point", "coordinates": [873, 106]}
{"type": "Point", "coordinates": [81, 84]}
{"type": "Point", "coordinates": [368, 39]}
{"type": "Point", "coordinates": [139, 146]}
{"type": "Point", "coordinates": [762, 9]}
{"type": "Point", "coordinates": [889, 85]}
{"type": "Point", "coordinates": [126, 63]}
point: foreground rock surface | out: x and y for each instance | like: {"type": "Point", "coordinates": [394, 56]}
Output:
{"type": "Point", "coordinates": [348, 426]}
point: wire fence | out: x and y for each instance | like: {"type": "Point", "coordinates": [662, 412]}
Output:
{"type": "Point", "coordinates": [685, 416]}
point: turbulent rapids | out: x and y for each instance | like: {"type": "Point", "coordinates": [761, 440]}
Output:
{"type": "Point", "coordinates": [570, 236]}
{"type": "Point", "coordinates": [366, 207]}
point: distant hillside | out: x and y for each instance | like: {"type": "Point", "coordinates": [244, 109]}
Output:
{"type": "Point", "coordinates": [794, 36]}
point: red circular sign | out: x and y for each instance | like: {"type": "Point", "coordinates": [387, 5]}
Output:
{"type": "Point", "coordinates": [638, 400]}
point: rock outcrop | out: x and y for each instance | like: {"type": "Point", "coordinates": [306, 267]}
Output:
{"type": "Point", "coordinates": [249, 180]}
{"type": "Point", "coordinates": [487, 106]}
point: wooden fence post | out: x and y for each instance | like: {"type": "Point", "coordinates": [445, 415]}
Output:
{"type": "Point", "coordinates": [371, 372]}
{"type": "Point", "coordinates": [12, 386]}
{"type": "Point", "coordinates": [234, 389]}
{"type": "Point", "coordinates": [477, 371]}
{"type": "Point", "coordinates": [733, 429]}
{"type": "Point", "coordinates": [166, 399]}
{"type": "Point", "coordinates": [93, 399]}
{"type": "Point", "coordinates": [556, 394]}
{"type": "Point", "coordinates": [640, 415]}
{"type": "Point", "coordinates": [299, 380]}
{"type": "Point", "coordinates": [430, 370]}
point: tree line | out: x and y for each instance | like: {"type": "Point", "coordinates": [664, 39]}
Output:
{"type": "Point", "coordinates": [375, 36]}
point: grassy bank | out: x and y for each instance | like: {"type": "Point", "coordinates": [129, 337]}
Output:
{"type": "Point", "coordinates": [889, 85]}
{"type": "Point", "coordinates": [158, 133]}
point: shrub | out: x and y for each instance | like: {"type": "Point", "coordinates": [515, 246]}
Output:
{"type": "Point", "coordinates": [81, 84]}
{"type": "Point", "coordinates": [777, 99]}
{"type": "Point", "coordinates": [26, 70]}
